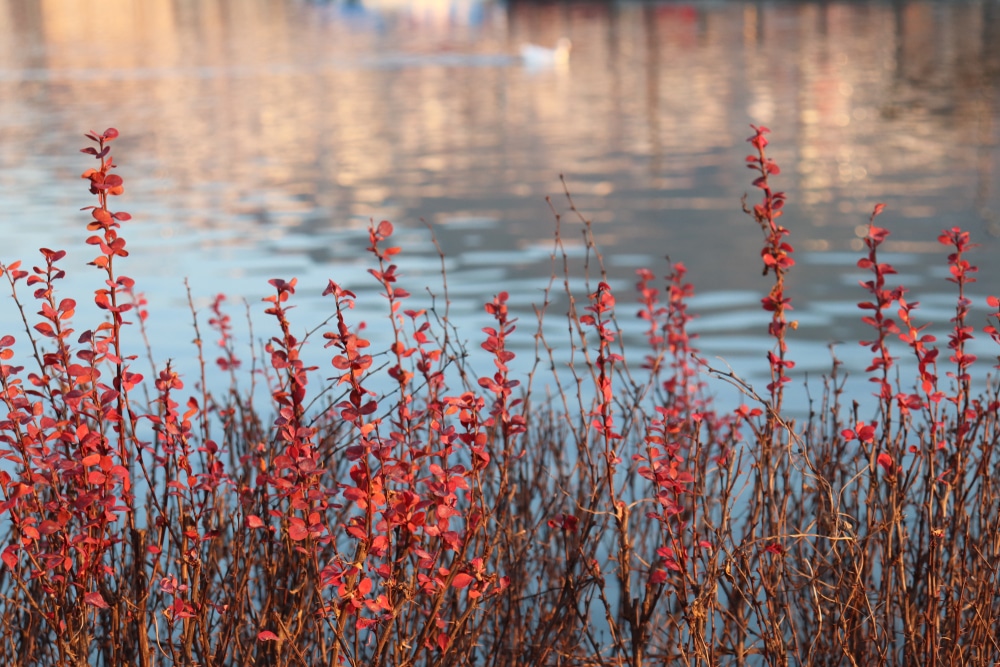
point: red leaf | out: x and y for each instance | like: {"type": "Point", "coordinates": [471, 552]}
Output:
{"type": "Point", "coordinates": [297, 531]}
{"type": "Point", "coordinates": [267, 636]}
{"type": "Point", "coordinates": [48, 527]}
{"type": "Point", "coordinates": [462, 580]}
{"type": "Point", "coordinates": [255, 521]}
{"type": "Point", "coordinates": [96, 600]}
{"type": "Point", "coordinates": [10, 557]}
{"type": "Point", "coordinates": [45, 329]}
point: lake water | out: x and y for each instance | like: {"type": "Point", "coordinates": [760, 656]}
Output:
{"type": "Point", "coordinates": [259, 137]}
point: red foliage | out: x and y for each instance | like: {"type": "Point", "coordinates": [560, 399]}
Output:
{"type": "Point", "coordinates": [451, 520]}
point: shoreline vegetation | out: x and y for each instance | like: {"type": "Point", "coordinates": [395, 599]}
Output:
{"type": "Point", "coordinates": [605, 512]}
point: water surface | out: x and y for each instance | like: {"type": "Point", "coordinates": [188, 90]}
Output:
{"type": "Point", "coordinates": [260, 137]}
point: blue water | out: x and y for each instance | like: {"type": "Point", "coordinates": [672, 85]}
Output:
{"type": "Point", "coordinates": [258, 141]}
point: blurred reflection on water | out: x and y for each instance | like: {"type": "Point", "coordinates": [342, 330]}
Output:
{"type": "Point", "coordinates": [260, 137]}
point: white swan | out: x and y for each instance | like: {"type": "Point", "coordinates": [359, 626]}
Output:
{"type": "Point", "coordinates": [533, 55]}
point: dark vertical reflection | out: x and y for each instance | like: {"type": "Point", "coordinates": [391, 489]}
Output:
{"type": "Point", "coordinates": [651, 59]}
{"type": "Point", "coordinates": [899, 36]}
{"type": "Point", "coordinates": [989, 56]}
{"type": "Point", "coordinates": [823, 19]}
{"type": "Point", "coordinates": [759, 12]}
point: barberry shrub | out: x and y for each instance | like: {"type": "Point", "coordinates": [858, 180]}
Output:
{"type": "Point", "coordinates": [395, 507]}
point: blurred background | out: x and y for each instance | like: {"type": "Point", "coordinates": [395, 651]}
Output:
{"type": "Point", "coordinates": [259, 137]}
